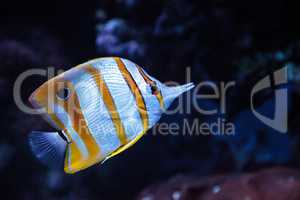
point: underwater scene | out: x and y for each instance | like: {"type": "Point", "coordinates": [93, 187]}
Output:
{"type": "Point", "coordinates": [150, 100]}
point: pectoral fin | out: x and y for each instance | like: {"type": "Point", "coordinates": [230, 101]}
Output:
{"type": "Point", "coordinates": [48, 147]}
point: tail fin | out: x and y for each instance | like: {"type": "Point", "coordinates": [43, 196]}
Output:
{"type": "Point", "coordinates": [48, 147]}
{"type": "Point", "coordinates": [171, 93]}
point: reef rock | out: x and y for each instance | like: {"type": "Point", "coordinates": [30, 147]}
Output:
{"type": "Point", "coordinates": [276, 184]}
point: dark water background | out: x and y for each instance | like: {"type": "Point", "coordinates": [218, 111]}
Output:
{"type": "Point", "coordinates": [220, 41]}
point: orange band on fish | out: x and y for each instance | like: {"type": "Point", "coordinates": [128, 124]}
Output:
{"type": "Point", "coordinates": [72, 107]}
{"type": "Point", "coordinates": [76, 153]}
{"type": "Point", "coordinates": [140, 102]}
{"type": "Point", "coordinates": [152, 83]}
{"type": "Point", "coordinates": [109, 103]}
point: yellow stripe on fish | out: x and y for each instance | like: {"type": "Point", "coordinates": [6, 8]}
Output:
{"type": "Point", "coordinates": [152, 84]}
{"type": "Point", "coordinates": [135, 91]}
{"type": "Point", "coordinates": [42, 99]}
{"type": "Point", "coordinates": [76, 156]}
{"type": "Point", "coordinates": [73, 109]}
{"type": "Point", "coordinates": [109, 102]}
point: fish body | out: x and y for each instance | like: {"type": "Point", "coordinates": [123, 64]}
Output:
{"type": "Point", "coordinates": [102, 107]}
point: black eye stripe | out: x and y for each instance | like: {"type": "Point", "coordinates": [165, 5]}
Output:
{"type": "Point", "coordinates": [63, 93]}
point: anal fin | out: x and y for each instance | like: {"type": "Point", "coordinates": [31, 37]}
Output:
{"type": "Point", "coordinates": [124, 147]}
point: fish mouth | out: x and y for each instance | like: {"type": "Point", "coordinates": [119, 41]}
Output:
{"type": "Point", "coordinates": [34, 104]}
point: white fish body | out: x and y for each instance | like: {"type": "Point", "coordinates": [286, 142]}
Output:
{"type": "Point", "coordinates": [102, 107]}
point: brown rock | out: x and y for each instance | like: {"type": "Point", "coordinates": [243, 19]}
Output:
{"type": "Point", "coordinates": [271, 184]}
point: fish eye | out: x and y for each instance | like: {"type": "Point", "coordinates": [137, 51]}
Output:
{"type": "Point", "coordinates": [63, 93]}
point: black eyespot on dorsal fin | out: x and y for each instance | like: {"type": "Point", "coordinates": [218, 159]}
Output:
{"type": "Point", "coordinates": [154, 88]}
